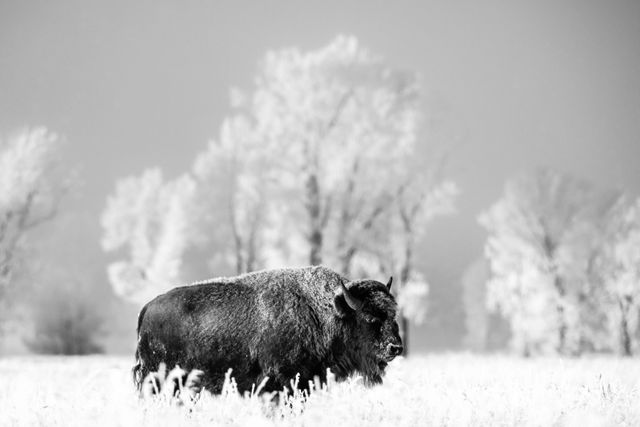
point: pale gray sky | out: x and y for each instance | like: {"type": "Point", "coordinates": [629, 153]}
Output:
{"type": "Point", "coordinates": [134, 84]}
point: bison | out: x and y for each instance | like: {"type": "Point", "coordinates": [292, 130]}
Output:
{"type": "Point", "coordinates": [272, 323]}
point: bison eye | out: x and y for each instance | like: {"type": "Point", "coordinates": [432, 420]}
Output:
{"type": "Point", "coordinates": [372, 320]}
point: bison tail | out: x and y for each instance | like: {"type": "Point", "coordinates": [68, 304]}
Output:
{"type": "Point", "coordinates": [137, 372]}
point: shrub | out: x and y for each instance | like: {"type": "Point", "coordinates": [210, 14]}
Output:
{"type": "Point", "coordinates": [65, 322]}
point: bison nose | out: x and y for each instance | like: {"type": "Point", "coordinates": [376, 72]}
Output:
{"type": "Point", "coordinates": [395, 350]}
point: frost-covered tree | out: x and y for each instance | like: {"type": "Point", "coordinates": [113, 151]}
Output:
{"type": "Point", "coordinates": [150, 219]}
{"type": "Point", "coordinates": [586, 264]}
{"type": "Point", "coordinates": [533, 251]}
{"type": "Point", "coordinates": [420, 202]}
{"type": "Point", "coordinates": [31, 187]}
{"type": "Point", "coordinates": [338, 122]}
{"type": "Point", "coordinates": [619, 267]}
{"type": "Point", "coordinates": [233, 183]}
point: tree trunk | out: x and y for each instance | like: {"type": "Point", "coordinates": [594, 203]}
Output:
{"type": "Point", "coordinates": [405, 274]}
{"type": "Point", "coordinates": [237, 241]}
{"type": "Point", "coordinates": [625, 336]}
{"type": "Point", "coordinates": [550, 247]}
{"type": "Point", "coordinates": [562, 323]}
{"type": "Point", "coordinates": [251, 252]}
{"type": "Point", "coordinates": [345, 250]}
{"type": "Point", "coordinates": [562, 328]}
{"type": "Point", "coordinates": [404, 331]}
{"type": "Point", "coordinates": [315, 220]}
{"type": "Point", "coordinates": [315, 253]}
{"type": "Point", "coordinates": [252, 244]}
{"type": "Point", "coordinates": [346, 261]}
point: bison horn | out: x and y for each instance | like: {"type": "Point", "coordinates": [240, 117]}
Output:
{"type": "Point", "coordinates": [352, 301]}
{"type": "Point", "coordinates": [389, 283]}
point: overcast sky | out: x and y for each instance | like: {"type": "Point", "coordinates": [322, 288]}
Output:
{"type": "Point", "coordinates": [134, 84]}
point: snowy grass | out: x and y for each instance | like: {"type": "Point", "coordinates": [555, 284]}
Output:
{"type": "Point", "coordinates": [453, 390]}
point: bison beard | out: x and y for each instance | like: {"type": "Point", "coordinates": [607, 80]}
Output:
{"type": "Point", "coordinates": [275, 324]}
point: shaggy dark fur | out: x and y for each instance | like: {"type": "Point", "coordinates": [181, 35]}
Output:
{"type": "Point", "coordinates": [273, 323]}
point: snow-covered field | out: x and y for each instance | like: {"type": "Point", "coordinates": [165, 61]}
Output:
{"type": "Point", "coordinates": [456, 389]}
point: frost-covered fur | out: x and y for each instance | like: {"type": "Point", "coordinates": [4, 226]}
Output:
{"type": "Point", "coordinates": [274, 323]}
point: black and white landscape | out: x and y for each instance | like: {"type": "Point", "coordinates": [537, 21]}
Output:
{"type": "Point", "coordinates": [484, 154]}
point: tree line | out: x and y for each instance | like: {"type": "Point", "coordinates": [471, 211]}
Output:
{"type": "Point", "coordinates": [47, 305]}
{"type": "Point", "coordinates": [564, 262]}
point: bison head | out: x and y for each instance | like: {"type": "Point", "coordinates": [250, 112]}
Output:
{"type": "Point", "coordinates": [368, 311]}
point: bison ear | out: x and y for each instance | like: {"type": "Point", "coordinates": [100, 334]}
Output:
{"type": "Point", "coordinates": [344, 302]}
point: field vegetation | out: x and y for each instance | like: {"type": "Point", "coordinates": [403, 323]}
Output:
{"type": "Point", "coordinates": [439, 390]}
